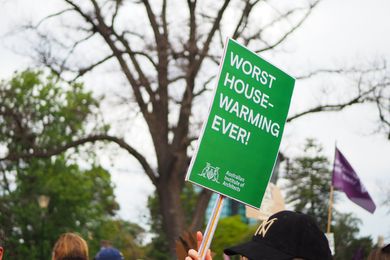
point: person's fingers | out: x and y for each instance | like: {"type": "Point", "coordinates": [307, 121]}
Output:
{"type": "Point", "coordinates": [208, 255]}
{"type": "Point", "coordinates": [188, 258]}
{"type": "Point", "coordinates": [193, 253]}
{"type": "Point", "coordinates": [199, 238]}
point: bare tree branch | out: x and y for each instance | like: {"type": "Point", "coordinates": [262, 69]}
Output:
{"type": "Point", "coordinates": [162, 43]}
{"type": "Point", "coordinates": [77, 43]}
{"type": "Point", "coordinates": [210, 35]}
{"type": "Point", "coordinates": [381, 110]}
{"type": "Point", "coordinates": [117, 4]}
{"type": "Point", "coordinates": [153, 22]}
{"type": "Point", "coordinates": [382, 102]}
{"type": "Point", "coordinates": [105, 33]}
{"type": "Point", "coordinates": [84, 70]}
{"type": "Point", "coordinates": [338, 71]}
{"type": "Point", "coordinates": [360, 98]}
{"type": "Point", "coordinates": [205, 88]}
{"type": "Point", "coordinates": [243, 22]}
{"type": "Point", "coordinates": [177, 78]}
{"type": "Point", "coordinates": [164, 18]}
{"type": "Point", "coordinates": [52, 16]}
{"type": "Point", "coordinates": [46, 153]}
{"type": "Point", "coordinates": [289, 32]}
{"type": "Point", "coordinates": [144, 80]}
{"type": "Point", "coordinates": [193, 69]}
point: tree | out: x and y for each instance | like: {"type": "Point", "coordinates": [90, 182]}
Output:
{"type": "Point", "coordinates": [384, 187]}
{"type": "Point", "coordinates": [345, 232]}
{"type": "Point", "coordinates": [230, 231]}
{"type": "Point", "coordinates": [156, 249]}
{"type": "Point", "coordinates": [126, 236]}
{"type": "Point", "coordinates": [38, 110]}
{"type": "Point", "coordinates": [308, 181]}
{"type": "Point", "coordinates": [159, 242]}
{"type": "Point", "coordinates": [309, 178]}
{"type": "Point", "coordinates": [164, 53]}
{"type": "Point", "coordinates": [79, 201]}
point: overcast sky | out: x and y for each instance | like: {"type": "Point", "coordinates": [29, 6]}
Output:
{"type": "Point", "coordinates": [345, 33]}
{"type": "Point", "coordinates": [339, 33]}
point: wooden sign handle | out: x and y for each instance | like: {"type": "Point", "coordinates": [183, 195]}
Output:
{"type": "Point", "coordinates": [211, 226]}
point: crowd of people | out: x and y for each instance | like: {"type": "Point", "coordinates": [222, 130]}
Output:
{"type": "Point", "coordinates": [286, 235]}
{"type": "Point", "coordinates": [71, 246]}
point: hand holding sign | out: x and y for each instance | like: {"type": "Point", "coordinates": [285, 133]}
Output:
{"type": "Point", "coordinates": [193, 254]}
{"type": "Point", "coordinates": [240, 140]}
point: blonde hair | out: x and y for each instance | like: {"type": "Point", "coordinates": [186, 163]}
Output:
{"type": "Point", "coordinates": [70, 246]}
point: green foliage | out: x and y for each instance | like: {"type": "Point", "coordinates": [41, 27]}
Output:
{"type": "Point", "coordinates": [309, 178]}
{"type": "Point", "coordinates": [79, 201]}
{"type": "Point", "coordinates": [230, 231]}
{"type": "Point", "coordinates": [40, 112]}
{"type": "Point", "coordinates": [345, 231]}
{"type": "Point", "coordinates": [125, 236]}
{"type": "Point", "coordinates": [189, 198]}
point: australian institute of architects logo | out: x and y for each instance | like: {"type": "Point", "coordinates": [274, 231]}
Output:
{"type": "Point", "coordinates": [210, 172]}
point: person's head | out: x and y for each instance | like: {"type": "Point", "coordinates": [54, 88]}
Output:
{"type": "Point", "coordinates": [380, 253]}
{"type": "Point", "coordinates": [70, 246]}
{"type": "Point", "coordinates": [285, 235]}
{"type": "Point", "coordinates": [109, 253]}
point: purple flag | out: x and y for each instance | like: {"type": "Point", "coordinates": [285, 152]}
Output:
{"type": "Point", "coordinates": [345, 179]}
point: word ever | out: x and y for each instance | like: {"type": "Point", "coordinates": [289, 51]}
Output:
{"type": "Point", "coordinates": [230, 129]}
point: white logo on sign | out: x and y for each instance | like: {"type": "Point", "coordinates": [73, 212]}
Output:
{"type": "Point", "coordinates": [210, 173]}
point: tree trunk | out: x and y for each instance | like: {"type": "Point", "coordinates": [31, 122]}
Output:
{"type": "Point", "coordinates": [199, 214]}
{"type": "Point", "coordinates": [171, 211]}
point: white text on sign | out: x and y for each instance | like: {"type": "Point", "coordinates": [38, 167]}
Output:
{"type": "Point", "coordinates": [253, 93]}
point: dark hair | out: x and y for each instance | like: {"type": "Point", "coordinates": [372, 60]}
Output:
{"type": "Point", "coordinates": [386, 249]}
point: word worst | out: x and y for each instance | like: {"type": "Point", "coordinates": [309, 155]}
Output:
{"type": "Point", "coordinates": [251, 93]}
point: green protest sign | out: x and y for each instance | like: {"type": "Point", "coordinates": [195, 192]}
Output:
{"type": "Point", "coordinates": [239, 143]}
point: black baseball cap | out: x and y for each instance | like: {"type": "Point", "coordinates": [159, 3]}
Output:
{"type": "Point", "coordinates": [285, 235]}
